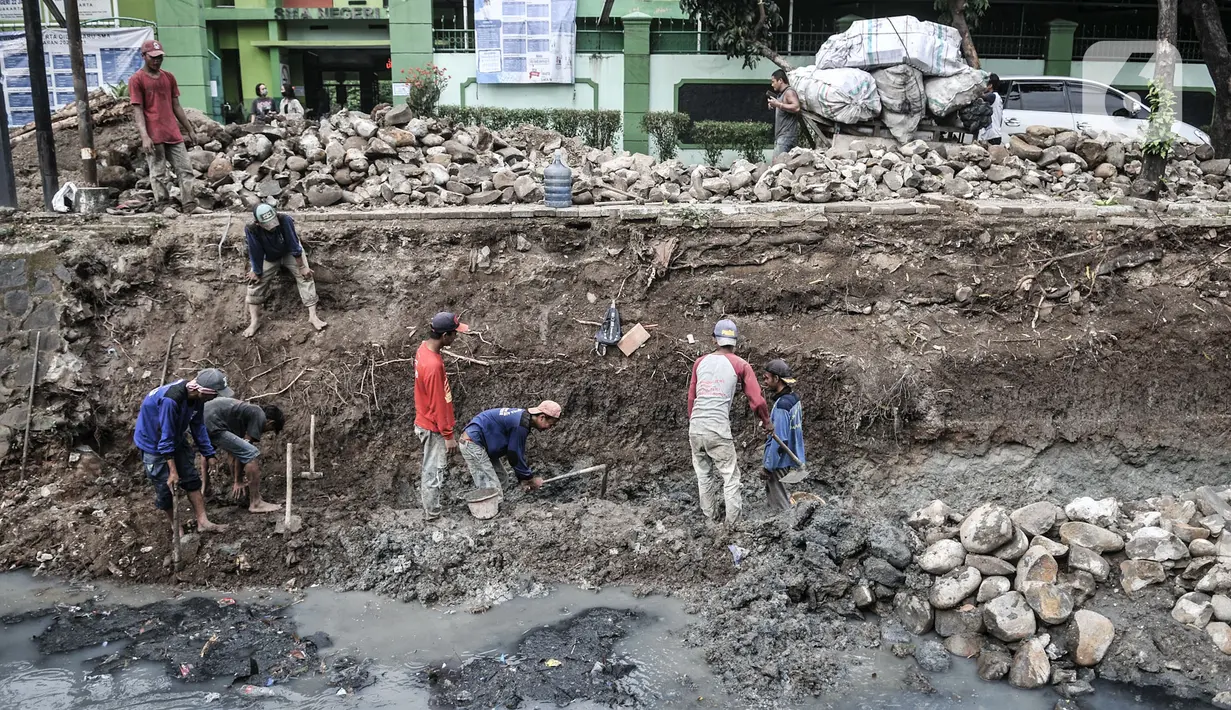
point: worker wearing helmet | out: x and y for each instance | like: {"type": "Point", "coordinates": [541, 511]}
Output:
{"type": "Point", "coordinates": [273, 243]}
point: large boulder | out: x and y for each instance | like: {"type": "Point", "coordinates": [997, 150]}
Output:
{"type": "Point", "coordinates": [1193, 609]}
{"type": "Point", "coordinates": [1052, 603]}
{"type": "Point", "coordinates": [992, 587]}
{"type": "Point", "coordinates": [949, 591]}
{"type": "Point", "coordinates": [1035, 567]}
{"type": "Point", "coordinates": [1009, 618]}
{"type": "Point", "coordinates": [1156, 544]}
{"type": "Point", "coordinates": [987, 528]}
{"type": "Point", "coordinates": [1220, 634]}
{"type": "Point", "coordinates": [219, 170]}
{"type": "Point", "coordinates": [1090, 635]}
{"type": "Point", "coordinates": [888, 541]}
{"type": "Point", "coordinates": [1083, 558]}
{"type": "Point", "coordinates": [967, 619]}
{"type": "Point", "coordinates": [1103, 513]}
{"type": "Point", "coordinates": [931, 656]}
{"type": "Point", "coordinates": [994, 661]}
{"type": "Point", "coordinates": [1136, 575]}
{"type": "Point", "coordinates": [201, 159]}
{"type": "Point", "coordinates": [1024, 150]}
{"type": "Point", "coordinates": [1091, 537]}
{"type": "Point", "coordinates": [1014, 548]}
{"type": "Point", "coordinates": [990, 566]}
{"type": "Point", "coordinates": [399, 115]}
{"type": "Point", "coordinates": [1036, 518]}
{"type": "Point", "coordinates": [942, 557]}
{"type": "Point", "coordinates": [324, 195]}
{"type": "Point", "coordinates": [914, 612]}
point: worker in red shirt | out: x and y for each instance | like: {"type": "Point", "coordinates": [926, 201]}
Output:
{"type": "Point", "coordinates": [155, 99]}
{"type": "Point", "coordinates": [711, 389]}
{"type": "Point", "coordinates": [434, 419]}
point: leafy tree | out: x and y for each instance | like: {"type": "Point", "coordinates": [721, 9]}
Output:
{"type": "Point", "coordinates": [1159, 137]}
{"type": "Point", "coordinates": [963, 15]}
{"type": "Point", "coordinates": [1208, 22]}
{"type": "Point", "coordinates": [742, 29]}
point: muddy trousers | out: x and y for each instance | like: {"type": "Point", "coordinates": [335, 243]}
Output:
{"type": "Point", "coordinates": [258, 292]}
{"type": "Point", "coordinates": [432, 476]}
{"type": "Point", "coordinates": [717, 468]}
{"type": "Point", "coordinates": [177, 155]}
{"type": "Point", "coordinates": [482, 468]}
{"type": "Point", "coordinates": [775, 493]}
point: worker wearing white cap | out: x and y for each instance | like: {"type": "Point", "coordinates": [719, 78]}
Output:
{"type": "Point", "coordinates": [711, 389]}
{"type": "Point", "coordinates": [497, 434]}
{"type": "Point", "coordinates": [273, 244]}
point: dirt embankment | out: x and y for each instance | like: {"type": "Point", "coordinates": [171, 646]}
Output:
{"type": "Point", "coordinates": [936, 358]}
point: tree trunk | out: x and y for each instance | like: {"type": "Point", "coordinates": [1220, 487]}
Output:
{"type": "Point", "coordinates": [769, 53]}
{"type": "Point", "coordinates": [1154, 165]}
{"type": "Point", "coordinates": [957, 11]}
{"type": "Point", "coordinates": [1208, 21]}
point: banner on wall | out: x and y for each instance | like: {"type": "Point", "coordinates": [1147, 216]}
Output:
{"type": "Point", "coordinates": [111, 56]}
{"type": "Point", "coordinates": [525, 41]}
{"type": "Point", "coordinates": [10, 10]}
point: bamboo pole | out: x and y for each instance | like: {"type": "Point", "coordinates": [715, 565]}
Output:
{"type": "Point", "coordinates": [290, 477]}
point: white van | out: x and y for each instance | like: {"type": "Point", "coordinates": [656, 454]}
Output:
{"type": "Point", "coordinates": [1078, 105]}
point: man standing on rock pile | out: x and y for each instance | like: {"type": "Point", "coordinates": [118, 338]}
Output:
{"type": "Point", "coordinates": [155, 98]}
{"type": "Point", "coordinates": [434, 420]}
{"type": "Point", "coordinates": [497, 434]}
{"type": "Point", "coordinates": [166, 414]}
{"type": "Point", "coordinates": [787, 416]}
{"type": "Point", "coordinates": [273, 244]}
{"type": "Point", "coordinates": [711, 389]}
{"type": "Point", "coordinates": [235, 427]}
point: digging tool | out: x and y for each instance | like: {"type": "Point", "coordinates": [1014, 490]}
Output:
{"type": "Point", "coordinates": [311, 474]}
{"type": "Point", "coordinates": [291, 523]}
{"type": "Point", "coordinates": [797, 474]}
{"type": "Point", "coordinates": [25, 444]}
{"type": "Point", "coordinates": [580, 472]}
{"type": "Point", "coordinates": [175, 524]}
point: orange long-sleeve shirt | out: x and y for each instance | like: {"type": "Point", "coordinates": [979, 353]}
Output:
{"type": "Point", "coordinates": [433, 396]}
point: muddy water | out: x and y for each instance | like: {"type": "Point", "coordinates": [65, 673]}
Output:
{"type": "Point", "coordinates": [405, 639]}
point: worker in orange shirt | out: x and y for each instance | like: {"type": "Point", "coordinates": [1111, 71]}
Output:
{"type": "Point", "coordinates": [434, 420]}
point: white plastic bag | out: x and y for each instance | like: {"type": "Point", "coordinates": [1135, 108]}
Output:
{"type": "Point", "coordinates": [903, 100]}
{"type": "Point", "coordinates": [932, 48]}
{"type": "Point", "coordinates": [950, 93]}
{"type": "Point", "coordinates": [841, 95]}
{"type": "Point", "coordinates": [62, 201]}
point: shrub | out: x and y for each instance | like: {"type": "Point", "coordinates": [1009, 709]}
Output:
{"type": "Point", "coordinates": [666, 128]}
{"type": "Point", "coordinates": [748, 138]}
{"type": "Point", "coordinates": [600, 128]}
{"type": "Point", "coordinates": [567, 121]}
{"type": "Point", "coordinates": [424, 85]}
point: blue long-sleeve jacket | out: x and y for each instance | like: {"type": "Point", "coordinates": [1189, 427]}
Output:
{"type": "Point", "coordinates": [166, 413]}
{"type": "Point", "coordinates": [264, 245]}
{"type": "Point", "coordinates": [502, 432]}
{"type": "Point", "coordinates": [787, 416]}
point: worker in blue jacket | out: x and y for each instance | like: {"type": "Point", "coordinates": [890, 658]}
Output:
{"type": "Point", "coordinates": [166, 414]}
{"type": "Point", "coordinates": [787, 417]}
{"type": "Point", "coordinates": [497, 434]}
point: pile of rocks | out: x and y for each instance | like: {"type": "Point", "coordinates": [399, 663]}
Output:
{"type": "Point", "coordinates": [393, 158]}
{"type": "Point", "coordinates": [1008, 587]}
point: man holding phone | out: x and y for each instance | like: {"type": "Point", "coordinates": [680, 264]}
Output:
{"type": "Point", "coordinates": [786, 107]}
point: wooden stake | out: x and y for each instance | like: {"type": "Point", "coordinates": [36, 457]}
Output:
{"type": "Point", "coordinates": [175, 528]}
{"type": "Point", "coordinates": [166, 359]}
{"type": "Point", "coordinates": [312, 445]}
{"type": "Point", "coordinates": [25, 446]}
{"type": "Point", "coordinates": [289, 478]}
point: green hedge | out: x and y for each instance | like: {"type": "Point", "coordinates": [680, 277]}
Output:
{"type": "Point", "coordinates": [598, 128]}
{"type": "Point", "coordinates": [748, 138]}
{"type": "Point", "coordinates": [666, 128]}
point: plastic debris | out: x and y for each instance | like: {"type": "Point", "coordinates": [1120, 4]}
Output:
{"type": "Point", "coordinates": [269, 682]}
{"type": "Point", "coordinates": [296, 653]}
{"type": "Point", "coordinates": [226, 601]}
{"type": "Point", "coordinates": [185, 669]}
{"type": "Point", "coordinates": [738, 553]}
{"type": "Point", "coordinates": [552, 663]}
{"type": "Point", "coordinates": [341, 691]}
{"type": "Point", "coordinates": [211, 697]}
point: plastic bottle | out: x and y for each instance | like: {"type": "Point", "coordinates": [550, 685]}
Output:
{"type": "Point", "coordinates": [558, 183]}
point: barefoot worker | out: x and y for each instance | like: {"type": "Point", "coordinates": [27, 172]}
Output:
{"type": "Point", "coordinates": [236, 427]}
{"type": "Point", "coordinates": [272, 244]}
{"type": "Point", "coordinates": [787, 416]}
{"type": "Point", "coordinates": [497, 434]}
{"type": "Point", "coordinates": [711, 390]}
{"type": "Point", "coordinates": [434, 420]}
{"type": "Point", "coordinates": [166, 414]}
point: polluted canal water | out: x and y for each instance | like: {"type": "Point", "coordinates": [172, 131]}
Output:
{"type": "Point", "coordinates": [620, 649]}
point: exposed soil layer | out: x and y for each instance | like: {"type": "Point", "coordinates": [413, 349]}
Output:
{"type": "Point", "coordinates": [931, 361]}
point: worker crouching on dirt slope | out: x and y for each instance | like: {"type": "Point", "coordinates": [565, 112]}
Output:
{"type": "Point", "coordinates": [434, 420]}
{"type": "Point", "coordinates": [236, 427]}
{"type": "Point", "coordinates": [166, 414]}
{"type": "Point", "coordinates": [497, 434]}
{"type": "Point", "coordinates": [787, 417]}
{"type": "Point", "coordinates": [711, 389]}
{"type": "Point", "coordinates": [273, 244]}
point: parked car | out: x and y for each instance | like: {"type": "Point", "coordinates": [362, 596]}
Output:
{"type": "Point", "coordinates": [1076, 104]}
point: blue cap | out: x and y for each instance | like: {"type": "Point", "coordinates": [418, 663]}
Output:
{"type": "Point", "coordinates": [725, 332]}
{"type": "Point", "coordinates": [446, 322]}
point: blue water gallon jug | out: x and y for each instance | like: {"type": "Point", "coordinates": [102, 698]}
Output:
{"type": "Point", "coordinates": [558, 183]}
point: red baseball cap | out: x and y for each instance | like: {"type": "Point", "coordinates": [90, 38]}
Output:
{"type": "Point", "coordinates": [152, 47]}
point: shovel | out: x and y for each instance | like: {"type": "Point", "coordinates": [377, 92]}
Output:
{"type": "Point", "coordinates": [797, 474]}
{"type": "Point", "coordinates": [579, 472]}
{"type": "Point", "coordinates": [175, 522]}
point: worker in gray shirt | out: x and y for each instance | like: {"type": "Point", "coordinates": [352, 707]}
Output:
{"type": "Point", "coordinates": [235, 426]}
{"type": "Point", "coordinates": [786, 108]}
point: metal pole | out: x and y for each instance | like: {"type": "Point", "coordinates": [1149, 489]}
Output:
{"type": "Point", "coordinates": [85, 121]}
{"type": "Point", "coordinates": [790, 28]}
{"type": "Point", "coordinates": [42, 101]}
{"type": "Point", "coordinates": [8, 181]}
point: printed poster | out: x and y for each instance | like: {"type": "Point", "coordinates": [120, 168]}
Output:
{"type": "Point", "coordinates": [525, 41]}
{"type": "Point", "coordinates": [111, 56]}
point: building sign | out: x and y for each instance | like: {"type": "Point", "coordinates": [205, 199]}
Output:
{"type": "Point", "coordinates": [525, 41]}
{"type": "Point", "coordinates": [10, 10]}
{"type": "Point", "coordinates": [111, 56]}
{"type": "Point", "coordinates": [328, 13]}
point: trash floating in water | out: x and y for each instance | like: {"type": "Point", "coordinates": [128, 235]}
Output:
{"type": "Point", "coordinates": [226, 601]}
{"type": "Point", "coordinates": [738, 553]}
{"type": "Point", "coordinates": [341, 691]}
{"type": "Point", "coordinates": [552, 663]}
{"type": "Point", "coordinates": [211, 697]}
{"type": "Point", "coordinates": [185, 669]}
{"type": "Point", "coordinates": [296, 653]}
